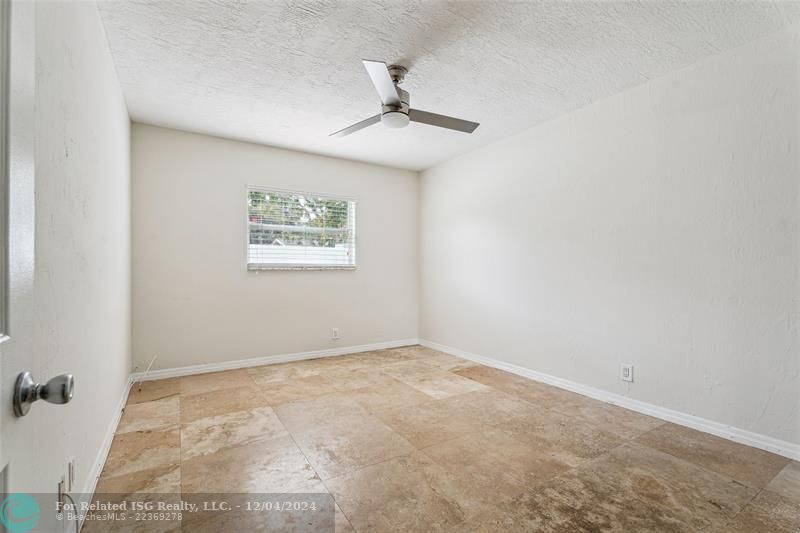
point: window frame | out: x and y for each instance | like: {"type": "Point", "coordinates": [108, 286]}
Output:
{"type": "Point", "coordinates": [259, 267]}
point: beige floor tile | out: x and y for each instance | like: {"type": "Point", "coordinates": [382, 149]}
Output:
{"type": "Point", "coordinates": [490, 406]}
{"type": "Point", "coordinates": [209, 435]}
{"type": "Point", "coordinates": [490, 467]}
{"type": "Point", "coordinates": [158, 480]}
{"type": "Point", "coordinates": [413, 369]}
{"type": "Point", "coordinates": [407, 493]}
{"type": "Point", "coordinates": [622, 422]}
{"type": "Point", "coordinates": [156, 415]}
{"type": "Point", "coordinates": [414, 352]}
{"type": "Point", "coordinates": [345, 379]}
{"type": "Point", "coordinates": [266, 466]}
{"type": "Point", "coordinates": [428, 423]}
{"type": "Point", "coordinates": [147, 391]}
{"type": "Point", "coordinates": [284, 371]}
{"type": "Point", "coordinates": [577, 501]}
{"type": "Point", "coordinates": [388, 395]}
{"type": "Point", "coordinates": [696, 496]}
{"type": "Point", "coordinates": [767, 513]}
{"type": "Point", "coordinates": [141, 450]}
{"type": "Point", "coordinates": [334, 450]}
{"type": "Point", "coordinates": [750, 466]}
{"type": "Point", "coordinates": [332, 409]}
{"type": "Point", "coordinates": [229, 379]}
{"type": "Point", "coordinates": [527, 389]}
{"type": "Point", "coordinates": [497, 452]}
{"type": "Point", "coordinates": [787, 482]}
{"type": "Point", "coordinates": [442, 384]}
{"type": "Point", "coordinates": [352, 361]}
{"type": "Point", "coordinates": [448, 362]}
{"type": "Point", "coordinates": [561, 436]}
{"type": "Point", "coordinates": [341, 523]}
{"type": "Point", "coordinates": [280, 392]}
{"type": "Point", "coordinates": [221, 402]}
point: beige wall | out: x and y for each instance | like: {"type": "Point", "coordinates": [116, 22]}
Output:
{"type": "Point", "coordinates": [194, 301]}
{"type": "Point", "coordinates": [657, 227]}
{"type": "Point", "coordinates": [82, 242]}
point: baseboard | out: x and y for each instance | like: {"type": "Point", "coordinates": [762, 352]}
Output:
{"type": "Point", "coordinates": [743, 436]}
{"type": "Point", "coordinates": [268, 360]}
{"type": "Point", "coordinates": [100, 461]}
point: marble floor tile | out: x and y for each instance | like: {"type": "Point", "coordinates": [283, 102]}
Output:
{"type": "Point", "coordinates": [266, 466]}
{"type": "Point", "coordinates": [695, 496]}
{"type": "Point", "coordinates": [428, 423]}
{"type": "Point", "coordinates": [411, 439]}
{"type": "Point", "coordinates": [407, 493]}
{"type": "Point", "coordinates": [158, 480]}
{"type": "Point", "coordinates": [490, 406]}
{"type": "Point", "coordinates": [578, 501]}
{"type": "Point", "coordinates": [211, 434]}
{"type": "Point", "coordinates": [442, 384]}
{"type": "Point", "coordinates": [489, 467]}
{"type": "Point", "coordinates": [413, 369]}
{"type": "Point", "coordinates": [622, 422]}
{"type": "Point", "coordinates": [341, 523]}
{"type": "Point", "coordinates": [140, 450]}
{"type": "Point", "coordinates": [532, 391]}
{"type": "Point", "coordinates": [388, 395]}
{"type": "Point", "coordinates": [332, 409]}
{"type": "Point", "coordinates": [147, 391]}
{"type": "Point", "coordinates": [767, 513]}
{"type": "Point", "coordinates": [448, 362]}
{"type": "Point", "coordinates": [561, 436]}
{"type": "Point", "coordinates": [280, 392]}
{"type": "Point", "coordinates": [229, 379]}
{"type": "Point", "coordinates": [357, 378]}
{"type": "Point", "coordinates": [750, 466]}
{"type": "Point", "coordinates": [156, 415]}
{"type": "Point", "coordinates": [334, 450]}
{"type": "Point", "coordinates": [787, 482]}
{"type": "Point", "coordinates": [284, 371]}
{"type": "Point", "coordinates": [221, 402]}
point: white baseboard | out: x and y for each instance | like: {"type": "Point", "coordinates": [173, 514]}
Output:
{"type": "Point", "coordinates": [268, 360]}
{"type": "Point", "coordinates": [743, 436]}
{"type": "Point", "coordinates": [102, 454]}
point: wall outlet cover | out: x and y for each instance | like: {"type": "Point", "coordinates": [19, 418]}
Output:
{"type": "Point", "coordinates": [626, 372]}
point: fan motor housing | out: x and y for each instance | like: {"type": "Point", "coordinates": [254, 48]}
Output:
{"type": "Point", "coordinates": [396, 116]}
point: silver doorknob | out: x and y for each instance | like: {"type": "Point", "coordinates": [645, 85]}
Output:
{"type": "Point", "coordinates": [26, 391]}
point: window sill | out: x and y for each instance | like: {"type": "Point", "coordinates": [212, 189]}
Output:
{"type": "Point", "coordinates": [259, 268]}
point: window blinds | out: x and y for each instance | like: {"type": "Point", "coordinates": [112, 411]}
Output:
{"type": "Point", "coordinates": [290, 230]}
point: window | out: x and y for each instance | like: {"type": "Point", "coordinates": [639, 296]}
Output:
{"type": "Point", "coordinates": [295, 230]}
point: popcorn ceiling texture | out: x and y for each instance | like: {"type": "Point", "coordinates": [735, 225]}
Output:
{"type": "Point", "coordinates": [288, 73]}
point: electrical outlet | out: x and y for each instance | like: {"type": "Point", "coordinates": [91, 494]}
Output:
{"type": "Point", "coordinates": [626, 372]}
{"type": "Point", "coordinates": [334, 334]}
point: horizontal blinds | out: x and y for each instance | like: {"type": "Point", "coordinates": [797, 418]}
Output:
{"type": "Point", "coordinates": [299, 230]}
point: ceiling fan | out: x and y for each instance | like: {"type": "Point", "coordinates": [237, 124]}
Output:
{"type": "Point", "coordinates": [395, 110]}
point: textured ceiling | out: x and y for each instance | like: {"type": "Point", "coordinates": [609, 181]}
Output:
{"type": "Point", "coordinates": [289, 73]}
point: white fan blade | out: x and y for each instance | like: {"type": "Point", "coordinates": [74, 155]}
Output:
{"type": "Point", "coordinates": [357, 126]}
{"type": "Point", "coordinates": [443, 121]}
{"type": "Point", "coordinates": [379, 74]}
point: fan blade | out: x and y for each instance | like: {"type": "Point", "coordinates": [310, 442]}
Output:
{"type": "Point", "coordinates": [379, 74]}
{"type": "Point", "coordinates": [357, 126]}
{"type": "Point", "coordinates": [443, 121]}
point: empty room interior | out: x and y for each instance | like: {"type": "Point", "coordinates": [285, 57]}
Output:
{"type": "Point", "coordinates": [377, 265]}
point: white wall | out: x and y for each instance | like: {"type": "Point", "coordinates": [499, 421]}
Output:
{"type": "Point", "coordinates": [657, 227]}
{"type": "Point", "coordinates": [82, 272]}
{"type": "Point", "coordinates": [194, 300]}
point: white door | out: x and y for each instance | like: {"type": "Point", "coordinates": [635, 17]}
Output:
{"type": "Point", "coordinates": [18, 438]}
